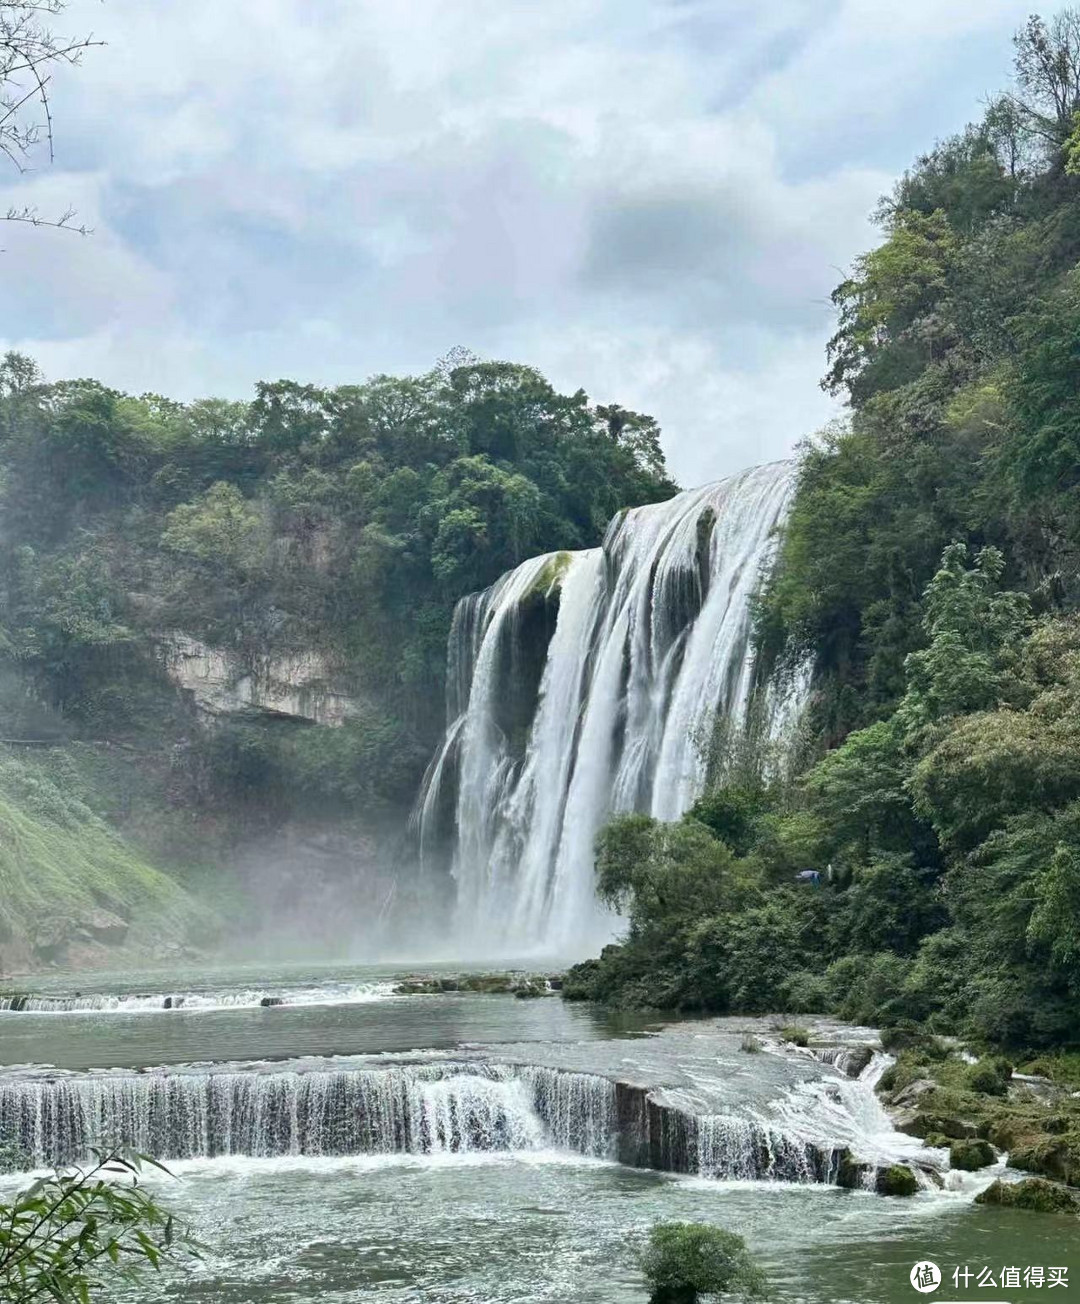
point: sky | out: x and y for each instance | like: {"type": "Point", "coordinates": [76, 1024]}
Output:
{"type": "Point", "coordinates": [647, 199]}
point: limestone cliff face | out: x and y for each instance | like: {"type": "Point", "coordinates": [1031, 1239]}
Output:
{"type": "Point", "coordinates": [301, 685]}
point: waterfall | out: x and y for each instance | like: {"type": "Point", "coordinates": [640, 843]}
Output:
{"type": "Point", "coordinates": [443, 1108]}
{"type": "Point", "coordinates": [589, 683]}
{"type": "Point", "coordinates": [414, 1109]}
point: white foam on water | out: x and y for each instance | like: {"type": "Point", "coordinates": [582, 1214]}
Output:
{"type": "Point", "coordinates": [199, 1001]}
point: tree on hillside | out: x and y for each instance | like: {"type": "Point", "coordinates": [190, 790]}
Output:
{"type": "Point", "coordinates": [30, 51]}
{"type": "Point", "coordinates": [1048, 74]}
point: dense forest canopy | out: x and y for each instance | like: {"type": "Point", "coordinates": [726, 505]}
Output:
{"type": "Point", "coordinates": [931, 570]}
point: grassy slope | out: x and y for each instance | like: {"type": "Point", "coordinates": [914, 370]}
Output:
{"type": "Point", "coordinates": [59, 862]}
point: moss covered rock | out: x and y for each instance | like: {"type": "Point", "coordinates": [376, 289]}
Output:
{"type": "Point", "coordinates": [989, 1078]}
{"type": "Point", "coordinates": [1032, 1193]}
{"type": "Point", "coordinates": [971, 1155]}
{"type": "Point", "coordinates": [925, 1125]}
{"type": "Point", "coordinates": [896, 1180]}
{"type": "Point", "coordinates": [1052, 1156]}
{"type": "Point", "coordinates": [908, 1036]}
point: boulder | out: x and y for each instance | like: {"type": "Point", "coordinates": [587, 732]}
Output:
{"type": "Point", "coordinates": [1032, 1193]}
{"type": "Point", "coordinates": [268, 1001]}
{"type": "Point", "coordinates": [104, 927]}
{"type": "Point", "coordinates": [854, 1061]}
{"type": "Point", "coordinates": [916, 1123]}
{"type": "Point", "coordinates": [897, 1179]}
{"type": "Point", "coordinates": [971, 1155]}
{"type": "Point", "coordinates": [910, 1094]}
{"type": "Point", "coordinates": [850, 1173]}
{"type": "Point", "coordinates": [1057, 1157]}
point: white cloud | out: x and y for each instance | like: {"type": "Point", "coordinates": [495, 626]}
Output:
{"type": "Point", "coordinates": [647, 198]}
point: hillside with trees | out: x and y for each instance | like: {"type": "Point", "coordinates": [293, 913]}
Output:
{"type": "Point", "coordinates": [929, 570]}
{"type": "Point", "coordinates": [330, 530]}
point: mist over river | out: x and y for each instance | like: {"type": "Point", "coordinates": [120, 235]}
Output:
{"type": "Point", "coordinates": [464, 1148]}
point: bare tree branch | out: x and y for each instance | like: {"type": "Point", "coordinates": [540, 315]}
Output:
{"type": "Point", "coordinates": [28, 51]}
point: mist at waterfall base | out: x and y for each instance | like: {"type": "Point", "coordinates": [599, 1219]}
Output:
{"type": "Point", "coordinates": [583, 684]}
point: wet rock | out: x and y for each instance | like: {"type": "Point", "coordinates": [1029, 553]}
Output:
{"type": "Point", "coordinates": [896, 1180]}
{"type": "Point", "coordinates": [529, 991]}
{"type": "Point", "coordinates": [855, 1060]}
{"type": "Point", "coordinates": [268, 1001]}
{"type": "Point", "coordinates": [1057, 1157]}
{"type": "Point", "coordinates": [910, 1094]}
{"type": "Point", "coordinates": [970, 1156]}
{"type": "Point", "coordinates": [850, 1173]}
{"type": "Point", "coordinates": [1032, 1193]}
{"type": "Point", "coordinates": [916, 1123]}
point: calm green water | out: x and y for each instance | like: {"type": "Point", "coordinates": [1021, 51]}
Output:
{"type": "Point", "coordinates": [357, 1018]}
{"type": "Point", "coordinates": [478, 1228]}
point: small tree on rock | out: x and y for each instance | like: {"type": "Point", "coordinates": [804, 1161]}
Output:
{"type": "Point", "coordinates": [683, 1261]}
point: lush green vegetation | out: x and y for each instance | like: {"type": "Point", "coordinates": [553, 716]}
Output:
{"type": "Point", "coordinates": [337, 524]}
{"type": "Point", "coordinates": [930, 569]}
{"type": "Point", "coordinates": [683, 1261]}
{"type": "Point", "coordinates": [68, 882]}
{"type": "Point", "coordinates": [65, 1235]}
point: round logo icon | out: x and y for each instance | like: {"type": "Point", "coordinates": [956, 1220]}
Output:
{"type": "Point", "coordinates": [926, 1277]}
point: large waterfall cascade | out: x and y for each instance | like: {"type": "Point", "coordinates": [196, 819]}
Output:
{"type": "Point", "coordinates": [587, 683]}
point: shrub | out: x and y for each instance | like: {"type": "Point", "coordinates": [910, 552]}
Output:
{"type": "Point", "coordinates": [795, 1035]}
{"type": "Point", "coordinates": [988, 1078]}
{"type": "Point", "coordinates": [683, 1261]}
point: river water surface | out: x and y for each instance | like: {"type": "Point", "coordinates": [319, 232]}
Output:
{"type": "Point", "coordinates": [498, 1199]}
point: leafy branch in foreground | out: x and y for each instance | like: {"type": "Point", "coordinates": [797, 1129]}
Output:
{"type": "Point", "coordinates": [60, 1235]}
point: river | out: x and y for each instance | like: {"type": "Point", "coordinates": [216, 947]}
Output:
{"type": "Point", "coordinates": [352, 1145]}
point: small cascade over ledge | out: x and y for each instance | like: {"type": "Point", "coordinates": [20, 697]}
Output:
{"type": "Point", "coordinates": [583, 684]}
{"type": "Point", "coordinates": [443, 1107]}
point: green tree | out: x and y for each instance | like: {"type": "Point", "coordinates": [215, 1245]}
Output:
{"type": "Point", "coordinates": [683, 1261]}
